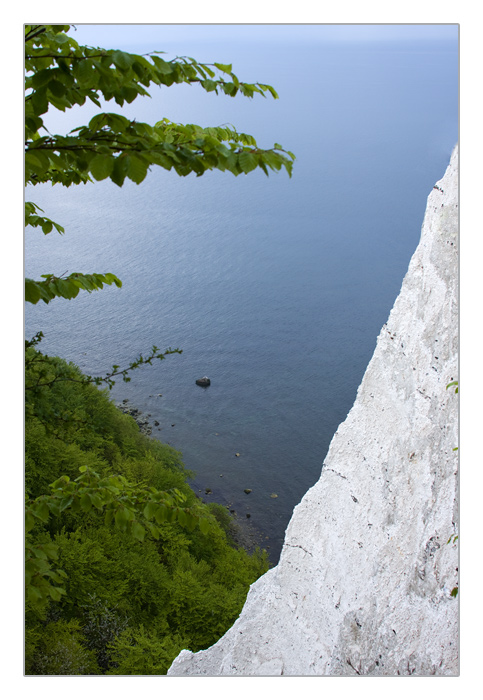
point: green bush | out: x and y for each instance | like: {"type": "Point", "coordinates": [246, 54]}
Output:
{"type": "Point", "coordinates": [143, 653]}
{"type": "Point", "coordinates": [60, 650]}
{"type": "Point", "coordinates": [129, 606]}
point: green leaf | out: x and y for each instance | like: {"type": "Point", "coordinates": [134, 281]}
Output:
{"type": "Point", "coordinates": [51, 550]}
{"type": "Point", "coordinates": [225, 67]}
{"type": "Point", "coordinates": [209, 85]}
{"type": "Point", "coordinates": [86, 502]}
{"type": "Point", "coordinates": [118, 173]}
{"type": "Point", "coordinates": [56, 593]}
{"type": "Point", "coordinates": [112, 279]}
{"type": "Point", "coordinates": [191, 521]}
{"type": "Point", "coordinates": [29, 521]}
{"type": "Point", "coordinates": [229, 89]}
{"type": "Point", "coordinates": [36, 162]}
{"type": "Point", "coordinates": [39, 553]}
{"type": "Point", "coordinates": [138, 531]}
{"type": "Point", "coordinates": [55, 508]}
{"type": "Point", "coordinates": [136, 168]}
{"type": "Point", "coordinates": [246, 90]}
{"type": "Point", "coordinates": [182, 517]}
{"type": "Point", "coordinates": [33, 124]}
{"type": "Point", "coordinates": [101, 166]}
{"type": "Point", "coordinates": [34, 594]}
{"type": "Point", "coordinates": [272, 91]}
{"type": "Point", "coordinates": [164, 67]}
{"type": "Point", "coordinates": [149, 510]}
{"type": "Point", "coordinates": [41, 78]}
{"type": "Point", "coordinates": [204, 524]}
{"type": "Point", "coordinates": [248, 161]}
{"type": "Point", "coordinates": [153, 530]}
{"type": "Point", "coordinates": [97, 121]}
{"type": "Point", "coordinates": [161, 514]}
{"type": "Point", "coordinates": [85, 72]}
{"type": "Point", "coordinates": [32, 291]}
{"type": "Point", "coordinates": [122, 517]}
{"type": "Point", "coordinates": [66, 289]}
{"type": "Point", "coordinates": [97, 501]}
{"type": "Point", "coordinates": [42, 511]}
{"type": "Point", "coordinates": [57, 88]}
{"type": "Point", "coordinates": [122, 60]}
{"type": "Point", "coordinates": [62, 38]}
{"type": "Point", "coordinates": [39, 101]}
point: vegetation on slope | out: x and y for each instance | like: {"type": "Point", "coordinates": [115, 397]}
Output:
{"type": "Point", "coordinates": [116, 600]}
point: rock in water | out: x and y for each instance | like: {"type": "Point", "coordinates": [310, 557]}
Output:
{"type": "Point", "coordinates": [204, 381]}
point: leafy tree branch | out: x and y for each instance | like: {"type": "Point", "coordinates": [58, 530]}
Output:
{"type": "Point", "coordinates": [44, 376]}
{"type": "Point", "coordinates": [61, 73]}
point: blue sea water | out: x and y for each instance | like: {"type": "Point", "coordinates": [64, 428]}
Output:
{"type": "Point", "coordinates": [275, 288]}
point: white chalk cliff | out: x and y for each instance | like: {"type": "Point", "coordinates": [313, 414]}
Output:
{"type": "Point", "coordinates": [365, 579]}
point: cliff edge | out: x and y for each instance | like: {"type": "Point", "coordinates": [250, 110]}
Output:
{"type": "Point", "coordinates": [366, 580]}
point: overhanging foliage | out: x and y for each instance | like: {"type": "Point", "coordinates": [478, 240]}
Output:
{"type": "Point", "coordinates": [61, 74]}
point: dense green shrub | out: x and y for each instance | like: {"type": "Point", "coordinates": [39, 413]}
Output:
{"type": "Point", "coordinates": [128, 605]}
{"type": "Point", "coordinates": [141, 652]}
{"type": "Point", "coordinates": [60, 650]}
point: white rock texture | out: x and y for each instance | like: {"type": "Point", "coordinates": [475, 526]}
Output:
{"type": "Point", "coordinates": [364, 581]}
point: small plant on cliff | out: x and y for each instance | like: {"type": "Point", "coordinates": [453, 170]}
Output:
{"type": "Point", "coordinates": [456, 386]}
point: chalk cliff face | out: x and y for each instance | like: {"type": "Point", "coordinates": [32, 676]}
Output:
{"type": "Point", "coordinates": [364, 582]}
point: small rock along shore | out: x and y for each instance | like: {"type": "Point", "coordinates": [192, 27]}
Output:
{"type": "Point", "coordinates": [242, 533]}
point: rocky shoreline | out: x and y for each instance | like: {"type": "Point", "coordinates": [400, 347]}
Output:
{"type": "Point", "coordinates": [242, 533]}
{"type": "Point", "coordinates": [141, 419]}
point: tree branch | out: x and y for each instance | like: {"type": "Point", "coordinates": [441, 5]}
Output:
{"type": "Point", "coordinates": [107, 379]}
{"type": "Point", "coordinates": [33, 33]}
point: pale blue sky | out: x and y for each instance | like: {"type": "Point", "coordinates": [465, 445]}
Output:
{"type": "Point", "coordinates": [148, 35]}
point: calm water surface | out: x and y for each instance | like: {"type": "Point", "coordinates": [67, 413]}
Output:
{"type": "Point", "coordinates": [275, 288]}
